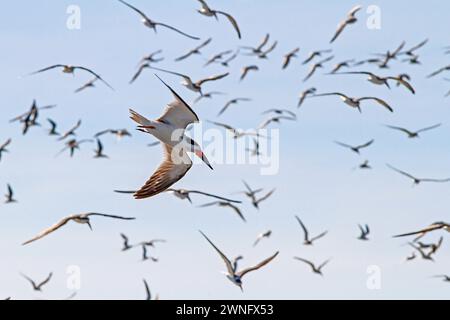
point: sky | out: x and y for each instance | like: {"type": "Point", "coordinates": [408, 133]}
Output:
{"type": "Point", "coordinates": [315, 179]}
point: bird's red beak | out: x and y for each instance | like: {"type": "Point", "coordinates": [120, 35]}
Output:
{"type": "Point", "coordinates": [202, 156]}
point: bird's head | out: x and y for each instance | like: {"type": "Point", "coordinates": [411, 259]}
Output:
{"type": "Point", "coordinates": [195, 148]}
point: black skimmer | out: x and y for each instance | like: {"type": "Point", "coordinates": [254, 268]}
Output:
{"type": "Point", "coordinates": [194, 86]}
{"type": "Point", "coordinates": [410, 52]}
{"type": "Point", "coordinates": [10, 195]}
{"type": "Point", "coordinates": [196, 50]}
{"type": "Point", "coordinates": [261, 236]}
{"type": "Point", "coordinates": [169, 128]}
{"type": "Point", "coordinates": [416, 180]}
{"type": "Point", "coordinates": [207, 11]}
{"type": "Point", "coordinates": [119, 133]}
{"type": "Point", "coordinates": [257, 50]}
{"type": "Point", "coordinates": [83, 218]}
{"type": "Point", "coordinates": [364, 232]}
{"type": "Point", "coordinates": [153, 24]}
{"type": "Point", "coordinates": [126, 244]}
{"type": "Point", "coordinates": [316, 66]}
{"type": "Point", "coordinates": [232, 274]}
{"type": "Point", "coordinates": [309, 241]}
{"type": "Point", "coordinates": [186, 194]}
{"type": "Point", "coordinates": [355, 102]}
{"type": "Point", "coordinates": [71, 70]}
{"type": "Point", "coordinates": [99, 151]}
{"type": "Point", "coordinates": [349, 19]}
{"type": "Point", "coordinates": [217, 57]}
{"type": "Point", "coordinates": [314, 54]}
{"type": "Point", "coordinates": [378, 80]}
{"type": "Point", "coordinates": [288, 56]}
{"type": "Point", "coordinates": [236, 133]}
{"type": "Point", "coordinates": [52, 131]}
{"type": "Point", "coordinates": [225, 204]}
{"type": "Point", "coordinates": [305, 94]}
{"type": "Point", "coordinates": [414, 134]}
{"type": "Point", "coordinates": [3, 147]}
{"type": "Point", "coordinates": [38, 286]}
{"type": "Point", "coordinates": [245, 70]}
{"type": "Point", "coordinates": [207, 95]}
{"type": "Point", "coordinates": [73, 145]}
{"type": "Point", "coordinates": [314, 269]}
{"type": "Point", "coordinates": [274, 119]}
{"type": "Point", "coordinates": [340, 65]}
{"type": "Point", "coordinates": [435, 73]}
{"type": "Point", "coordinates": [432, 227]}
{"type": "Point", "coordinates": [444, 277]}
{"type": "Point", "coordinates": [71, 131]}
{"type": "Point", "coordinates": [89, 84]}
{"type": "Point", "coordinates": [355, 149]}
{"type": "Point", "coordinates": [230, 102]}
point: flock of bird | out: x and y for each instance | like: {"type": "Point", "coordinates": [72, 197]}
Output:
{"type": "Point", "coordinates": [170, 128]}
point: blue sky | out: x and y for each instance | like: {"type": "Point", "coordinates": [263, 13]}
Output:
{"type": "Point", "coordinates": [315, 180]}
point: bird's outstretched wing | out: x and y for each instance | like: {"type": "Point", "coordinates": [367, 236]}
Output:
{"type": "Point", "coordinates": [258, 266]}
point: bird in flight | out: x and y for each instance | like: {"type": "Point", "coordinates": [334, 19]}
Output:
{"type": "Point", "coordinates": [52, 131]}
{"type": "Point", "coordinates": [71, 131]}
{"type": "Point", "coordinates": [145, 257]}
{"type": "Point", "coordinates": [349, 19]}
{"type": "Point", "coordinates": [355, 149]}
{"type": "Point", "coordinates": [119, 133]}
{"type": "Point", "coordinates": [378, 80]}
{"type": "Point", "coordinates": [169, 128]}
{"type": "Point", "coordinates": [316, 66]}
{"type": "Point", "coordinates": [305, 94]}
{"type": "Point", "coordinates": [38, 286]}
{"type": "Point", "coordinates": [288, 56]}
{"type": "Point", "coordinates": [314, 269]}
{"type": "Point", "coordinates": [364, 232]}
{"type": "Point", "coordinates": [410, 52]}
{"type": "Point", "coordinates": [10, 195]}
{"type": "Point", "coordinates": [126, 244]}
{"type": "Point", "coordinates": [414, 134]}
{"type": "Point", "coordinates": [356, 102]}
{"type": "Point", "coordinates": [281, 112]}
{"type": "Point", "coordinates": [194, 86]}
{"type": "Point", "coordinates": [153, 24]}
{"type": "Point", "coordinates": [309, 241]}
{"type": "Point", "coordinates": [314, 54]}
{"type": "Point", "coordinates": [416, 180]}
{"type": "Point", "coordinates": [340, 65]}
{"type": "Point", "coordinates": [217, 57]}
{"type": "Point", "coordinates": [186, 194]}
{"type": "Point", "coordinates": [196, 50]}
{"type": "Point", "coordinates": [236, 133]}
{"type": "Point", "coordinates": [230, 102]}
{"type": "Point", "coordinates": [261, 236]}
{"type": "Point", "coordinates": [425, 256]}
{"type": "Point", "coordinates": [432, 227]}
{"type": "Point", "coordinates": [99, 151]}
{"type": "Point", "coordinates": [71, 70]}
{"type": "Point", "coordinates": [274, 119]}
{"type": "Point", "coordinates": [73, 145]}
{"type": "Point", "coordinates": [207, 11]}
{"type": "Point", "coordinates": [148, 295]}
{"type": "Point", "coordinates": [89, 84]}
{"type": "Point", "coordinates": [83, 218]}
{"type": "Point", "coordinates": [3, 147]}
{"type": "Point", "coordinates": [207, 95]}
{"type": "Point", "coordinates": [438, 71]}
{"type": "Point", "coordinates": [263, 54]}
{"type": "Point", "coordinates": [256, 202]}
{"type": "Point", "coordinates": [245, 70]}
{"type": "Point", "coordinates": [225, 204]}
{"type": "Point", "coordinates": [232, 274]}
{"type": "Point", "coordinates": [444, 277]}
{"type": "Point", "coordinates": [258, 50]}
